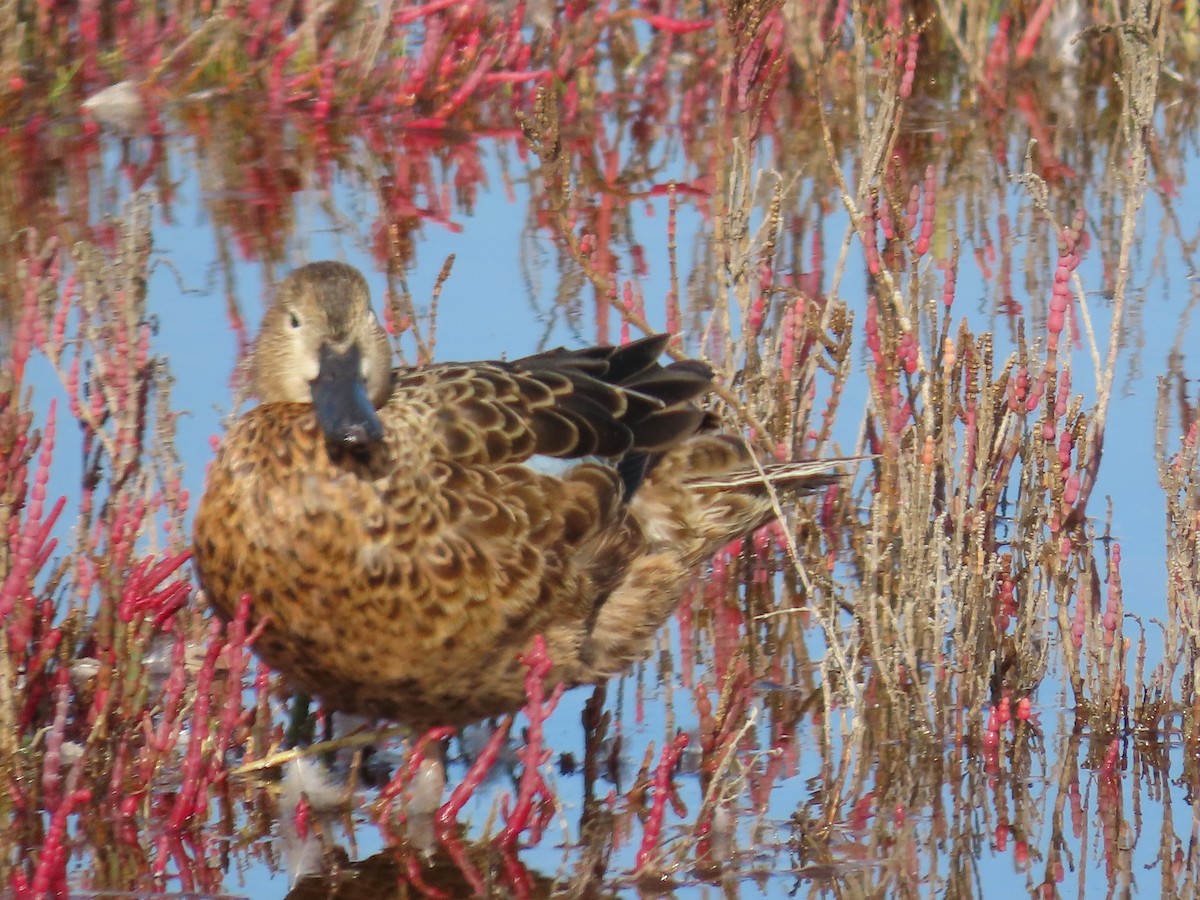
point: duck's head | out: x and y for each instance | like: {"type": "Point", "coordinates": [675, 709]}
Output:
{"type": "Point", "coordinates": [321, 343]}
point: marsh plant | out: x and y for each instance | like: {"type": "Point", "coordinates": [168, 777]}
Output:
{"type": "Point", "coordinates": [825, 178]}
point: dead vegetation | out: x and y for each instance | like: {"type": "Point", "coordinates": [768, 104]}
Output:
{"type": "Point", "coordinates": [946, 633]}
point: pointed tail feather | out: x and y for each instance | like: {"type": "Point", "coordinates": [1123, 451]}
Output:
{"type": "Point", "coordinates": [796, 477]}
{"type": "Point", "coordinates": [704, 494]}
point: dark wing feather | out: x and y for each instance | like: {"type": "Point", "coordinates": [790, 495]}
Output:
{"type": "Point", "coordinates": [628, 361]}
{"type": "Point", "coordinates": [665, 429]}
{"type": "Point", "coordinates": [614, 402]}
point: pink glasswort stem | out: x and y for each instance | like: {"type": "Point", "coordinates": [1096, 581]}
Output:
{"type": "Point", "coordinates": [662, 790]}
{"type": "Point", "coordinates": [537, 709]}
{"type": "Point", "coordinates": [448, 814]}
{"type": "Point", "coordinates": [417, 756]}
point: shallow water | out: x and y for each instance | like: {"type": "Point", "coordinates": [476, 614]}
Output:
{"type": "Point", "coordinates": [838, 737]}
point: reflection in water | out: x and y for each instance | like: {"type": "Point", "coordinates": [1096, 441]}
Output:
{"type": "Point", "coordinates": [452, 869]}
{"type": "Point", "coordinates": [918, 230]}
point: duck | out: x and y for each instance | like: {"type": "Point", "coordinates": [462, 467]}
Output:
{"type": "Point", "coordinates": [403, 548]}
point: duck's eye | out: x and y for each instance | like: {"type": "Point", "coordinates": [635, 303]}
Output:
{"type": "Point", "coordinates": [294, 320]}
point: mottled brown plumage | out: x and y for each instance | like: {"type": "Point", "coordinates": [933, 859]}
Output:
{"type": "Point", "coordinates": [406, 556]}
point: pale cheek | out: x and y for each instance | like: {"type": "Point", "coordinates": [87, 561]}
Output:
{"type": "Point", "coordinates": [300, 378]}
{"type": "Point", "coordinates": [308, 367]}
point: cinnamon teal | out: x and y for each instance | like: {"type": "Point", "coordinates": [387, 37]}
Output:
{"type": "Point", "coordinates": [387, 523]}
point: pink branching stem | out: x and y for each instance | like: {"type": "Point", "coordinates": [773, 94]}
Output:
{"type": "Point", "coordinates": [324, 105]}
{"type": "Point", "coordinates": [169, 847]}
{"type": "Point", "coordinates": [991, 739]}
{"type": "Point", "coordinates": [58, 330]}
{"type": "Point", "coordinates": [1024, 709]}
{"type": "Point", "coordinates": [901, 415]}
{"type": "Point", "coordinates": [414, 13]}
{"type": "Point", "coordinates": [20, 884]}
{"type": "Point", "coordinates": [675, 26]}
{"type": "Point", "coordinates": [261, 710]}
{"type": "Point", "coordinates": [236, 654]}
{"type": "Point", "coordinates": [516, 77]}
{"type": "Point", "coordinates": [167, 733]}
{"type": "Point", "coordinates": [50, 874]}
{"type": "Point", "coordinates": [1112, 611]}
{"type": "Point", "coordinates": [886, 224]}
{"type": "Point", "coordinates": [909, 53]}
{"type": "Point", "coordinates": [995, 67]}
{"type": "Point", "coordinates": [840, 12]}
{"type": "Point", "coordinates": [654, 84]}
{"type": "Point", "coordinates": [861, 813]}
{"type": "Point", "coordinates": [721, 564]}
{"type": "Point", "coordinates": [412, 868]}
{"type": "Point", "coordinates": [950, 281]}
{"type": "Point", "coordinates": [52, 761]}
{"type": "Point", "coordinates": [116, 784]}
{"type": "Point", "coordinates": [991, 746]}
{"type": "Point", "coordinates": [652, 833]}
{"type": "Point", "coordinates": [874, 342]}
{"type": "Point", "coordinates": [34, 533]}
{"type": "Point", "coordinates": [23, 335]}
{"type": "Point", "coordinates": [1060, 405]}
{"type": "Point", "coordinates": [1079, 620]}
{"type": "Point", "coordinates": [908, 352]}
{"type": "Point", "coordinates": [534, 755]}
{"type": "Point", "coordinates": [949, 355]}
{"type": "Point", "coordinates": [787, 343]}
{"type": "Point", "coordinates": [1036, 391]}
{"type": "Point", "coordinates": [1033, 31]}
{"type": "Point", "coordinates": [1006, 605]}
{"type": "Point", "coordinates": [516, 875]}
{"type": "Point", "coordinates": [276, 89]}
{"type": "Point", "coordinates": [1018, 389]}
{"type": "Point", "coordinates": [516, 54]}
{"type": "Point", "coordinates": [416, 756]}
{"type": "Point", "coordinates": [462, 861]}
{"type": "Point", "coordinates": [1060, 299]}
{"type": "Point", "coordinates": [46, 645]}
{"type": "Point", "coordinates": [301, 816]}
{"type": "Point", "coordinates": [423, 67]}
{"type": "Point", "coordinates": [448, 814]}
{"type": "Point", "coordinates": [871, 241]}
{"type": "Point", "coordinates": [141, 594]}
{"type": "Point", "coordinates": [192, 786]}
{"type": "Point", "coordinates": [761, 539]}
{"type": "Point", "coordinates": [727, 634]}
{"type": "Point", "coordinates": [1111, 759]}
{"type": "Point", "coordinates": [760, 305]}
{"type": "Point", "coordinates": [927, 212]}
{"type": "Point", "coordinates": [470, 83]}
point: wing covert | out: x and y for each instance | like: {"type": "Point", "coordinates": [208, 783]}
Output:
{"type": "Point", "coordinates": [611, 402]}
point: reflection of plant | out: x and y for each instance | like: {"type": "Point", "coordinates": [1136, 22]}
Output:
{"type": "Point", "coordinates": [1178, 473]}
{"type": "Point", "coordinates": [104, 669]}
{"type": "Point", "coordinates": [944, 588]}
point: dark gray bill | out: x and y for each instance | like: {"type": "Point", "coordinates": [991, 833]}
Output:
{"type": "Point", "coordinates": [344, 410]}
